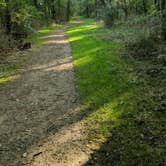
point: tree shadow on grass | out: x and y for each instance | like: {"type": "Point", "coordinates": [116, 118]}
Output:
{"type": "Point", "coordinates": [132, 143]}
{"type": "Point", "coordinates": [138, 138]}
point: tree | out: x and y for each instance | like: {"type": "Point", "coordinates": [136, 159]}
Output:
{"type": "Point", "coordinates": [68, 11]}
{"type": "Point", "coordinates": [7, 18]}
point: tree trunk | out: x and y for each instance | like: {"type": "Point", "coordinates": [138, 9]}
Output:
{"type": "Point", "coordinates": [68, 12]}
{"type": "Point", "coordinates": [7, 18]}
{"type": "Point", "coordinates": [125, 8]}
{"type": "Point", "coordinates": [35, 3]}
{"type": "Point", "coordinates": [144, 7]}
{"type": "Point", "coordinates": [157, 4]}
{"type": "Point", "coordinates": [87, 9]}
{"type": "Point", "coordinates": [59, 11]}
{"type": "Point", "coordinates": [96, 8]}
{"type": "Point", "coordinates": [162, 4]}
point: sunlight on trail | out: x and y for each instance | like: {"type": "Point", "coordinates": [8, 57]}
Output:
{"type": "Point", "coordinates": [55, 39]}
{"type": "Point", "coordinates": [68, 147]}
{"type": "Point", "coordinates": [57, 65]}
{"type": "Point", "coordinates": [49, 28]}
{"type": "Point", "coordinates": [37, 38]}
{"type": "Point", "coordinates": [61, 67]}
{"type": "Point", "coordinates": [51, 36]}
{"type": "Point", "coordinates": [56, 42]}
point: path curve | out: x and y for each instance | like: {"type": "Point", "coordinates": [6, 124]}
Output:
{"type": "Point", "coordinates": [40, 119]}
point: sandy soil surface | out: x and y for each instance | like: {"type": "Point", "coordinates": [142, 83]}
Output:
{"type": "Point", "coordinates": [40, 120]}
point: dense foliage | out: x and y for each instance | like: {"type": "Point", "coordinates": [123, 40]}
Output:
{"type": "Point", "coordinates": [24, 15]}
{"type": "Point", "coordinates": [119, 8]}
{"type": "Point", "coordinates": [111, 10]}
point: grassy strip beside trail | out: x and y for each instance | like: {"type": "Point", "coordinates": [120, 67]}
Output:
{"type": "Point", "coordinates": [114, 101]}
{"type": "Point", "coordinates": [15, 61]}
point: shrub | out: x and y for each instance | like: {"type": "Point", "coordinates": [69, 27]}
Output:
{"type": "Point", "coordinates": [7, 44]}
{"type": "Point", "coordinates": [141, 47]}
{"type": "Point", "coordinates": [162, 59]}
{"type": "Point", "coordinates": [108, 19]}
{"type": "Point", "coordinates": [146, 36]}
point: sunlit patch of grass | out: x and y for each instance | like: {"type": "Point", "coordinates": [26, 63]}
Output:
{"type": "Point", "coordinates": [37, 38]}
{"type": "Point", "coordinates": [8, 79]}
{"type": "Point", "coordinates": [83, 27]}
{"type": "Point", "coordinates": [6, 72]}
{"type": "Point", "coordinates": [76, 38]}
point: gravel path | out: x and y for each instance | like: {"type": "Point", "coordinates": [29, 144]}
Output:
{"type": "Point", "coordinates": [40, 120]}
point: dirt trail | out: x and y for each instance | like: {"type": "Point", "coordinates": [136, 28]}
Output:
{"type": "Point", "coordinates": [40, 119]}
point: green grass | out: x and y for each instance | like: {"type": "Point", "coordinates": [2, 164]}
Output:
{"type": "Point", "coordinates": [103, 80]}
{"type": "Point", "coordinates": [116, 107]}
